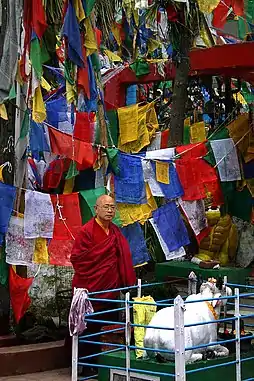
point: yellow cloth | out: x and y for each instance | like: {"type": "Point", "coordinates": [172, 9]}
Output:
{"type": "Point", "coordinates": [128, 6]}
{"type": "Point", "coordinates": [238, 97]}
{"type": "Point", "coordinates": [116, 34]}
{"type": "Point", "coordinates": [142, 314]}
{"type": "Point", "coordinates": [90, 40]}
{"type": "Point", "coordinates": [69, 185]}
{"type": "Point", "coordinates": [153, 45]}
{"type": "Point", "coordinates": [41, 251]}
{"type": "Point", "coordinates": [205, 38]}
{"type": "Point", "coordinates": [250, 185]}
{"type": "Point", "coordinates": [80, 13]}
{"type": "Point", "coordinates": [128, 124]}
{"type": "Point", "coordinates": [187, 122]}
{"type": "Point", "coordinates": [3, 112]}
{"type": "Point", "coordinates": [130, 213]}
{"type": "Point", "coordinates": [197, 132]}
{"type": "Point", "coordinates": [207, 6]}
{"type": "Point", "coordinates": [162, 172]}
{"type": "Point", "coordinates": [70, 92]}
{"type": "Point", "coordinates": [39, 110]}
{"type": "Point", "coordinates": [112, 56]}
{"type": "Point", "coordinates": [1, 173]}
{"type": "Point", "coordinates": [239, 128]}
{"type": "Point", "coordinates": [45, 84]}
{"type": "Point", "coordinates": [137, 127]}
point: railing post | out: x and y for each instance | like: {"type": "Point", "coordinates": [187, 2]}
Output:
{"type": "Point", "coordinates": [127, 335]}
{"type": "Point", "coordinates": [225, 281]}
{"type": "Point", "coordinates": [237, 336]}
{"type": "Point", "coordinates": [139, 293]}
{"type": "Point", "coordinates": [74, 369]}
{"type": "Point", "coordinates": [179, 339]}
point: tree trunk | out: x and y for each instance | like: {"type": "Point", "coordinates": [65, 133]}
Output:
{"type": "Point", "coordinates": [180, 95]}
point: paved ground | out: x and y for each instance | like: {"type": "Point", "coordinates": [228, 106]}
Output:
{"type": "Point", "coordinates": [56, 375]}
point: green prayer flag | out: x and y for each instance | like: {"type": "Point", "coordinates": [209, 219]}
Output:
{"type": "Point", "coordinates": [113, 127]}
{"type": "Point", "coordinates": [186, 135]}
{"type": "Point", "coordinates": [45, 57]}
{"type": "Point", "coordinates": [87, 207]}
{"type": "Point", "coordinates": [88, 6]}
{"type": "Point", "coordinates": [12, 93]}
{"type": "Point", "coordinates": [240, 204]}
{"type": "Point", "coordinates": [35, 56]}
{"type": "Point", "coordinates": [96, 62]}
{"type": "Point", "coordinates": [4, 271]}
{"type": "Point", "coordinates": [247, 94]}
{"type": "Point", "coordinates": [72, 171]}
{"type": "Point", "coordinates": [220, 134]}
{"type": "Point", "coordinates": [25, 125]}
{"type": "Point", "coordinates": [113, 159]}
{"type": "Point", "coordinates": [140, 68]}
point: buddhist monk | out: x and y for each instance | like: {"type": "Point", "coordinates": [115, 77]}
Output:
{"type": "Point", "coordinates": [102, 260]}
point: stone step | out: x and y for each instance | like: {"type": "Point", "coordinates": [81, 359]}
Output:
{"type": "Point", "coordinates": [32, 358]}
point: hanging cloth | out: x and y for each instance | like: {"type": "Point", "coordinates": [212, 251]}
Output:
{"type": "Point", "coordinates": [135, 237]}
{"type": "Point", "coordinates": [169, 255]}
{"type": "Point", "coordinates": [38, 216]}
{"type": "Point", "coordinates": [75, 149]}
{"type": "Point", "coordinates": [195, 213]}
{"type": "Point", "coordinates": [226, 158]}
{"type": "Point", "coordinates": [19, 250]}
{"type": "Point", "coordinates": [84, 127]}
{"type": "Point", "coordinates": [41, 252]}
{"type": "Point", "coordinates": [129, 184]}
{"type": "Point", "coordinates": [20, 300]}
{"type": "Point", "coordinates": [128, 124]}
{"type": "Point", "coordinates": [60, 252]}
{"type": "Point", "coordinates": [8, 195]}
{"type": "Point", "coordinates": [197, 132]}
{"type": "Point", "coordinates": [172, 188]}
{"type": "Point", "coordinates": [164, 139]}
{"type": "Point", "coordinates": [171, 226]}
{"type": "Point", "coordinates": [38, 108]}
{"type": "Point", "coordinates": [4, 268]}
{"type": "Point", "coordinates": [67, 216]}
{"type": "Point", "coordinates": [39, 24]}
{"type": "Point", "coordinates": [72, 33]}
{"type": "Point", "coordinates": [130, 213]}
{"type": "Point", "coordinates": [37, 140]}
{"type": "Point", "coordinates": [156, 142]}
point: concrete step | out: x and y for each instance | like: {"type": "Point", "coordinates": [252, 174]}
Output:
{"type": "Point", "coordinates": [32, 358]}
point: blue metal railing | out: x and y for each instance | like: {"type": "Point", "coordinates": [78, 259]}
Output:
{"type": "Point", "coordinates": [127, 325]}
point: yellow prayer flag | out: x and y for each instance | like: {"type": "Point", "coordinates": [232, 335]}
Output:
{"type": "Point", "coordinates": [90, 40]}
{"type": "Point", "coordinates": [207, 6]}
{"type": "Point", "coordinates": [41, 251]}
{"type": "Point", "coordinates": [80, 13]}
{"type": "Point", "coordinates": [70, 92]}
{"type": "Point", "coordinates": [45, 84]}
{"type": "Point", "coordinates": [197, 133]}
{"type": "Point", "coordinates": [153, 45]}
{"type": "Point", "coordinates": [162, 172]}
{"type": "Point", "coordinates": [130, 213]}
{"type": "Point", "coordinates": [3, 112]}
{"type": "Point", "coordinates": [128, 124]}
{"type": "Point", "coordinates": [1, 173]}
{"type": "Point", "coordinates": [205, 38]}
{"type": "Point", "coordinates": [240, 131]}
{"type": "Point", "coordinates": [39, 110]}
{"type": "Point", "coordinates": [69, 185]}
{"type": "Point", "coordinates": [112, 56]}
{"type": "Point", "coordinates": [187, 122]}
{"type": "Point", "coordinates": [116, 34]}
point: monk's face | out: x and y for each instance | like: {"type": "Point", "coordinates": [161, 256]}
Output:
{"type": "Point", "coordinates": [105, 208]}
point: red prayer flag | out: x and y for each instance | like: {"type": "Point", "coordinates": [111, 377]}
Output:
{"type": "Point", "coordinates": [164, 138]}
{"type": "Point", "coordinates": [39, 24]}
{"type": "Point", "coordinates": [67, 216]}
{"type": "Point", "coordinates": [84, 126]}
{"type": "Point", "coordinates": [20, 300]}
{"type": "Point", "coordinates": [60, 252]}
{"type": "Point", "coordinates": [189, 151]}
{"type": "Point", "coordinates": [220, 14]}
{"type": "Point", "coordinates": [65, 145]}
{"type": "Point", "coordinates": [238, 7]}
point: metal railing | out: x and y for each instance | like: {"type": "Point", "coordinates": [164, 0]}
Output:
{"type": "Point", "coordinates": [178, 327]}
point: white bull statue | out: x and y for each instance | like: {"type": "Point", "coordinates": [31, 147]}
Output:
{"type": "Point", "coordinates": [198, 312]}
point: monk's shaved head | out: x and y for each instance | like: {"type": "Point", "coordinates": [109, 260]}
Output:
{"type": "Point", "coordinates": [105, 199]}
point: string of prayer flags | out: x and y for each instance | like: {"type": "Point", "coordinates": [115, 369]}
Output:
{"type": "Point", "coordinates": [19, 250]}
{"type": "Point", "coordinates": [149, 178]}
{"type": "Point", "coordinates": [135, 237]}
{"type": "Point", "coordinates": [84, 128]}
{"type": "Point", "coordinates": [38, 215]}
{"type": "Point", "coordinates": [161, 154]}
{"type": "Point", "coordinates": [41, 251]}
{"type": "Point", "coordinates": [128, 124]}
{"type": "Point", "coordinates": [37, 140]}
{"type": "Point", "coordinates": [226, 159]}
{"type": "Point", "coordinates": [190, 179]}
{"type": "Point", "coordinates": [129, 184]}
{"type": "Point", "coordinates": [162, 172]}
{"type": "Point", "coordinates": [8, 195]}
{"type": "Point", "coordinates": [171, 226]}
{"type": "Point", "coordinates": [169, 255]}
